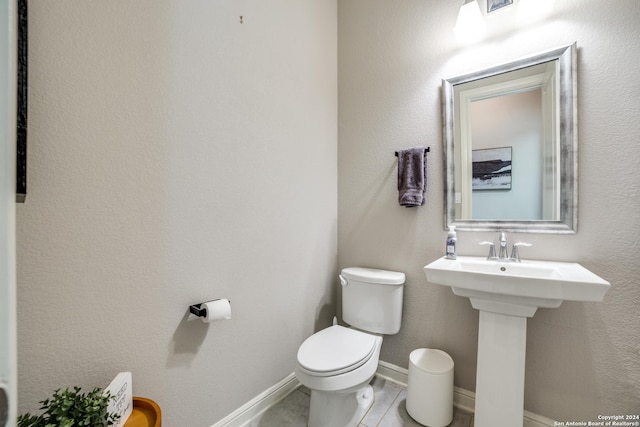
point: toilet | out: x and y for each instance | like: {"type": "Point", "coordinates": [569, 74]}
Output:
{"type": "Point", "coordinates": [337, 363]}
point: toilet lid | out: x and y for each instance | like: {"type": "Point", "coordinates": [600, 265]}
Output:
{"type": "Point", "coordinates": [335, 350]}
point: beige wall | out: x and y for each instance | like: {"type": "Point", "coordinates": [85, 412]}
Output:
{"type": "Point", "coordinates": [583, 358]}
{"type": "Point", "coordinates": [177, 156]}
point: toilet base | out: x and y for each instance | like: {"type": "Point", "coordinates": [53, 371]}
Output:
{"type": "Point", "coordinates": [331, 409]}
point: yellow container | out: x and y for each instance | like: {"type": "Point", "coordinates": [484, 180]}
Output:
{"type": "Point", "coordinates": [146, 413]}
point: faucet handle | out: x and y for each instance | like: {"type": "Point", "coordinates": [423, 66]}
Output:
{"type": "Point", "coordinates": [492, 249]}
{"type": "Point", "coordinates": [515, 253]}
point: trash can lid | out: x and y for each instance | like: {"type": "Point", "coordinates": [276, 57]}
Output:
{"type": "Point", "coordinates": [431, 361]}
{"type": "Point", "coordinates": [372, 275]}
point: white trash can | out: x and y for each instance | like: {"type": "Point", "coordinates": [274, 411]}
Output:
{"type": "Point", "coordinates": [430, 387]}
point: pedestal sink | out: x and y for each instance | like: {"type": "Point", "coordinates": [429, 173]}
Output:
{"type": "Point", "coordinates": [506, 293]}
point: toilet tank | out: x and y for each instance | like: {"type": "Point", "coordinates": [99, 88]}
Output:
{"type": "Point", "coordinates": [372, 299]}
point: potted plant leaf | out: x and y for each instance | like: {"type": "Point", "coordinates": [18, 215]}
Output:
{"type": "Point", "coordinates": [71, 408]}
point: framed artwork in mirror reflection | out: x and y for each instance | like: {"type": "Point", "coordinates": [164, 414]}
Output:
{"type": "Point", "coordinates": [491, 169]}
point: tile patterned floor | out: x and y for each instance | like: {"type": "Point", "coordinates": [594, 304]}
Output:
{"type": "Point", "coordinates": [388, 410]}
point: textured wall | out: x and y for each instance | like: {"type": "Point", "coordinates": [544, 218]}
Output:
{"type": "Point", "coordinates": [176, 156]}
{"type": "Point", "coordinates": [583, 358]}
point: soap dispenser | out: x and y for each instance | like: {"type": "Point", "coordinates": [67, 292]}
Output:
{"type": "Point", "coordinates": [451, 251]}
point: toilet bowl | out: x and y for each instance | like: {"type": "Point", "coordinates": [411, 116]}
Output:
{"type": "Point", "coordinates": [337, 363]}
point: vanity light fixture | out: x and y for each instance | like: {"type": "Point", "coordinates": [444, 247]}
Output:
{"type": "Point", "coordinates": [493, 5]}
{"type": "Point", "coordinates": [470, 25]}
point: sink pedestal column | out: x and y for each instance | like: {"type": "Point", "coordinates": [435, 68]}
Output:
{"type": "Point", "coordinates": [502, 343]}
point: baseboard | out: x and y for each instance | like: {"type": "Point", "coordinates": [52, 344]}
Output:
{"type": "Point", "coordinates": [260, 403]}
{"type": "Point", "coordinates": [462, 398]}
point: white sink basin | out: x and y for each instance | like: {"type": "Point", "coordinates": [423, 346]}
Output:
{"type": "Point", "coordinates": [507, 293]}
{"type": "Point", "coordinates": [529, 283]}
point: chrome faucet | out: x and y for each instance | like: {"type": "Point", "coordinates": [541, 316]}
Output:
{"type": "Point", "coordinates": [503, 253]}
{"type": "Point", "coordinates": [515, 254]}
{"type": "Point", "coordinates": [492, 250]}
{"type": "Point", "coordinates": [503, 246]}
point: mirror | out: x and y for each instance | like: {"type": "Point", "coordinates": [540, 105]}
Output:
{"type": "Point", "coordinates": [510, 137]}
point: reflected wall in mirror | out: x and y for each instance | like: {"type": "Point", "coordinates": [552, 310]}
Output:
{"type": "Point", "coordinates": [511, 146]}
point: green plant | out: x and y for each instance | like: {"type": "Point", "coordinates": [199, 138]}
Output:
{"type": "Point", "coordinates": [70, 408]}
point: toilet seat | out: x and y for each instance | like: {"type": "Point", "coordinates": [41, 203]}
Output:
{"type": "Point", "coordinates": [335, 350]}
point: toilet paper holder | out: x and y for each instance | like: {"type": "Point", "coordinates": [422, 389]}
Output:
{"type": "Point", "coordinates": [196, 309]}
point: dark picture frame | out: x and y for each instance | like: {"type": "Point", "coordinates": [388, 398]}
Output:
{"type": "Point", "coordinates": [22, 85]}
{"type": "Point", "coordinates": [491, 169]}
